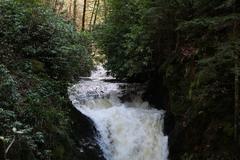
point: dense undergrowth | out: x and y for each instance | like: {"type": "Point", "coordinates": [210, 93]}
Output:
{"type": "Point", "coordinates": [186, 49]}
{"type": "Point", "coordinates": [40, 54]}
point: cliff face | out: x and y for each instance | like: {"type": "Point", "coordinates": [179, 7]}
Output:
{"type": "Point", "coordinates": [194, 133]}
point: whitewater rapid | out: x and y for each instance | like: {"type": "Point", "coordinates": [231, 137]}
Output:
{"type": "Point", "coordinates": [130, 130]}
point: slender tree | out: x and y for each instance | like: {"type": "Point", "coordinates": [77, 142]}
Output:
{"type": "Point", "coordinates": [236, 84]}
{"type": "Point", "coordinates": [84, 14]}
{"type": "Point", "coordinates": [9, 147]}
{"type": "Point", "coordinates": [96, 13]}
{"type": "Point", "coordinates": [75, 11]}
{"type": "Point", "coordinates": [92, 14]}
{"type": "Point", "coordinates": [70, 9]}
{"type": "Point", "coordinates": [59, 6]}
{"type": "Point", "coordinates": [236, 114]}
{"type": "Point", "coordinates": [105, 8]}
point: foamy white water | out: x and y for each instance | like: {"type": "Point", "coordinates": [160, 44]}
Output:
{"type": "Point", "coordinates": [127, 130]}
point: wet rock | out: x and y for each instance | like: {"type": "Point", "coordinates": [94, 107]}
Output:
{"type": "Point", "coordinates": [1, 150]}
{"type": "Point", "coordinates": [157, 93]}
{"type": "Point", "coordinates": [84, 134]}
{"type": "Point", "coordinates": [169, 123]}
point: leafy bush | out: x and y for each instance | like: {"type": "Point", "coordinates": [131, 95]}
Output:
{"type": "Point", "coordinates": [40, 53]}
{"type": "Point", "coordinates": [8, 90]}
{"type": "Point", "coordinates": [31, 31]}
{"type": "Point", "coordinates": [123, 40]}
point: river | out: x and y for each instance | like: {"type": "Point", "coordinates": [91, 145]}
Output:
{"type": "Point", "coordinates": [128, 129]}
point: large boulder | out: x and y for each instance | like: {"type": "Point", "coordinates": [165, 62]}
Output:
{"type": "Point", "coordinates": [84, 134]}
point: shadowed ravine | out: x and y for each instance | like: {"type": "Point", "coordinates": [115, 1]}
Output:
{"type": "Point", "coordinates": [128, 129]}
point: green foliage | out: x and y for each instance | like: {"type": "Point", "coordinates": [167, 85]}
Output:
{"type": "Point", "coordinates": [123, 41]}
{"type": "Point", "coordinates": [23, 134]}
{"type": "Point", "coordinates": [191, 45]}
{"type": "Point", "coordinates": [8, 91]}
{"type": "Point", "coordinates": [34, 32]}
{"type": "Point", "coordinates": [40, 53]}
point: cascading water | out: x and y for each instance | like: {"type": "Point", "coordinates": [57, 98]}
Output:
{"type": "Point", "coordinates": [127, 130]}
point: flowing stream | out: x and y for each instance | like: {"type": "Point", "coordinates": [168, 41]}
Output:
{"type": "Point", "coordinates": [129, 130]}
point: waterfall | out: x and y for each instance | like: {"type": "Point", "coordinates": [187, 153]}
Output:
{"type": "Point", "coordinates": [130, 130]}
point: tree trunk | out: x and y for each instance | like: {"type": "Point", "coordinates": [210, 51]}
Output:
{"type": "Point", "coordinates": [236, 114]}
{"type": "Point", "coordinates": [84, 14]}
{"type": "Point", "coordinates": [93, 11]}
{"type": "Point", "coordinates": [105, 8]}
{"type": "Point", "coordinates": [236, 85]}
{"type": "Point", "coordinates": [9, 147]}
{"type": "Point", "coordinates": [75, 12]}
{"type": "Point", "coordinates": [95, 18]}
